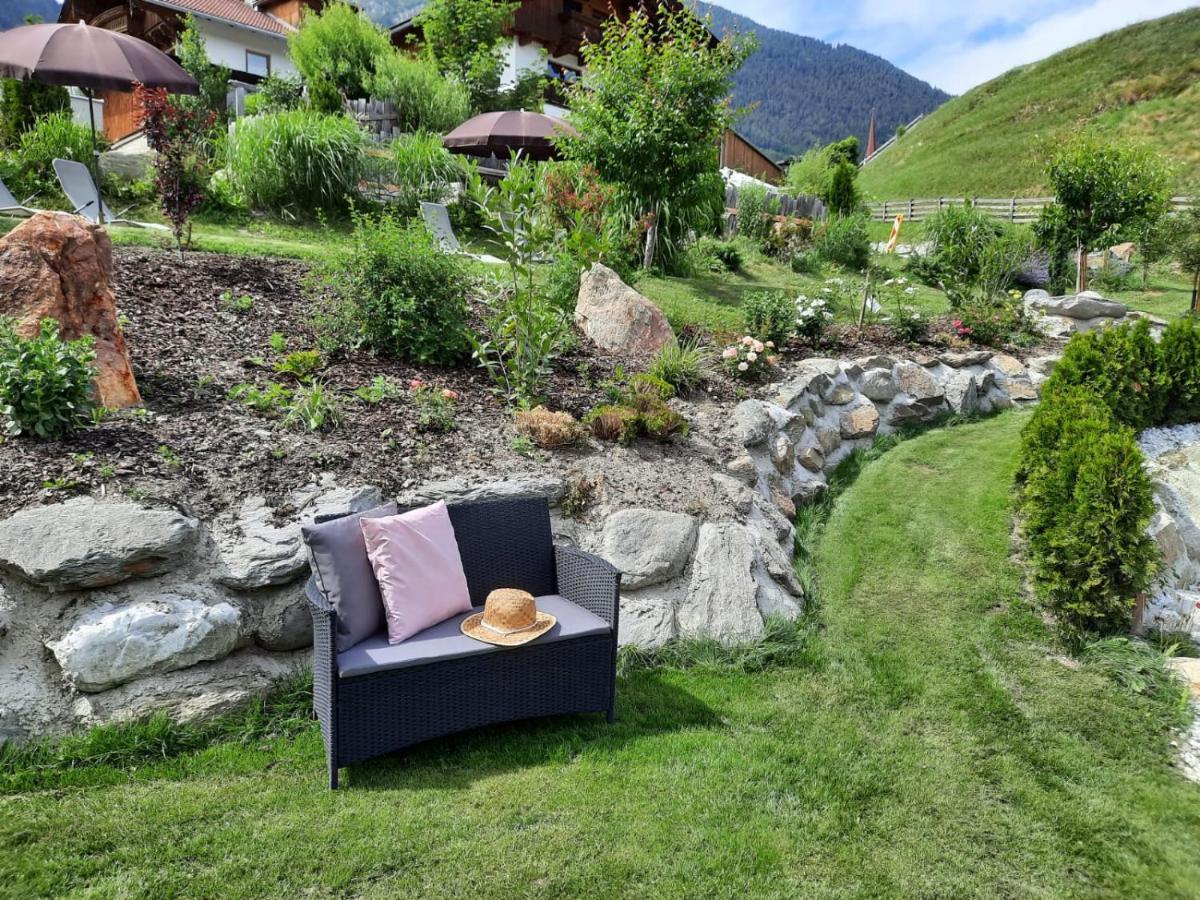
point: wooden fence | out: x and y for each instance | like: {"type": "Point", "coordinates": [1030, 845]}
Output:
{"type": "Point", "coordinates": [1011, 209]}
{"type": "Point", "coordinates": [376, 117]}
{"type": "Point", "coordinates": [805, 206]}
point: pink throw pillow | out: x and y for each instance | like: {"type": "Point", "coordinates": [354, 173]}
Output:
{"type": "Point", "coordinates": [418, 567]}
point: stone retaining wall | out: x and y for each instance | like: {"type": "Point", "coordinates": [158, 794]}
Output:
{"type": "Point", "coordinates": [112, 609]}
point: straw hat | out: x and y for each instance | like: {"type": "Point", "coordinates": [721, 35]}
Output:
{"type": "Point", "coordinates": [509, 618]}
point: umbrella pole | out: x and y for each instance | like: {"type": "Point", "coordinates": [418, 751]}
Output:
{"type": "Point", "coordinates": [95, 156]}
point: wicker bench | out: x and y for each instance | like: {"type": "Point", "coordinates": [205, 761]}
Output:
{"type": "Point", "coordinates": [375, 698]}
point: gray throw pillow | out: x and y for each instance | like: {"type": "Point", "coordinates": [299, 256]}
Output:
{"type": "Point", "coordinates": [344, 574]}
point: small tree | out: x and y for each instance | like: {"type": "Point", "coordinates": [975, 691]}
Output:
{"type": "Point", "coordinates": [463, 37]}
{"type": "Point", "coordinates": [1101, 189]}
{"type": "Point", "coordinates": [654, 109]}
{"type": "Point", "coordinates": [339, 46]}
{"type": "Point", "coordinates": [176, 134]}
{"type": "Point", "coordinates": [842, 195]}
{"type": "Point", "coordinates": [213, 80]}
{"type": "Point", "coordinates": [1187, 251]}
{"type": "Point", "coordinates": [1157, 239]}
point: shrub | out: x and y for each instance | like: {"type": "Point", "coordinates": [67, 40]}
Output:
{"type": "Point", "coordinates": [1122, 366]}
{"type": "Point", "coordinates": [788, 238]}
{"type": "Point", "coordinates": [55, 136]}
{"type": "Point", "coordinates": [973, 256]}
{"type": "Point", "coordinates": [812, 318]}
{"type": "Point", "coordinates": [843, 240]}
{"type": "Point", "coordinates": [296, 161]}
{"type": "Point", "coordinates": [423, 98]}
{"type": "Point", "coordinates": [707, 255]}
{"type": "Point", "coordinates": [1180, 350]}
{"type": "Point", "coordinates": [549, 430]}
{"type": "Point", "coordinates": [679, 365]}
{"type": "Point", "coordinates": [756, 211]}
{"type": "Point", "coordinates": [842, 195]}
{"type": "Point", "coordinates": [276, 93]}
{"type": "Point", "coordinates": [1111, 279]}
{"type": "Point", "coordinates": [303, 365]}
{"type": "Point", "coordinates": [806, 262]}
{"type": "Point", "coordinates": [750, 359]}
{"type": "Point", "coordinates": [393, 290]}
{"type": "Point", "coordinates": [45, 382]}
{"type": "Point", "coordinates": [339, 46]}
{"type": "Point", "coordinates": [769, 314]}
{"type": "Point", "coordinates": [417, 169]}
{"type": "Point", "coordinates": [992, 323]}
{"type": "Point", "coordinates": [521, 339]}
{"type": "Point", "coordinates": [910, 325]}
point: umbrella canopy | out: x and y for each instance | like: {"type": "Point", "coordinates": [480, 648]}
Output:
{"type": "Point", "coordinates": [86, 57]}
{"type": "Point", "coordinates": [502, 133]}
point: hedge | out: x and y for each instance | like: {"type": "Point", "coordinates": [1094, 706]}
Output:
{"type": "Point", "coordinates": [1085, 497]}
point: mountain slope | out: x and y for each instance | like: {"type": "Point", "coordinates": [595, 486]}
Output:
{"type": "Point", "coordinates": [810, 93]}
{"type": "Point", "coordinates": [1141, 82]}
{"type": "Point", "coordinates": [13, 12]}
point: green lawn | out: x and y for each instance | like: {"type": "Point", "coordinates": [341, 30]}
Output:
{"type": "Point", "coordinates": [931, 745]}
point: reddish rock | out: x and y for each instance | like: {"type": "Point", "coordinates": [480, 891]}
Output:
{"type": "Point", "coordinates": [59, 266]}
{"type": "Point", "coordinates": [616, 317]}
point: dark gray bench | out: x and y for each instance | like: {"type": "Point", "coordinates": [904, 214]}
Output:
{"type": "Point", "coordinates": [374, 698]}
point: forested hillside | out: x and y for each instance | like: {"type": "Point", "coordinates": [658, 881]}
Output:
{"type": "Point", "coordinates": [809, 92]}
{"type": "Point", "coordinates": [1140, 83]}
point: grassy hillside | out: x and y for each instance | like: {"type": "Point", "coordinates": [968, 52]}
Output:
{"type": "Point", "coordinates": [1141, 82]}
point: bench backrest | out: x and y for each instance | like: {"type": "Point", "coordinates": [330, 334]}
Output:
{"type": "Point", "coordinates": [506, 543]}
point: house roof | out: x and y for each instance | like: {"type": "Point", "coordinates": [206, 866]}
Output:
{"type": "Point", "coordinates": [235, 12]}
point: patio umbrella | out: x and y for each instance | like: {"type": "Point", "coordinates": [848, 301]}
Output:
{"type": "Point", "coordinates": [92, 59]}
{"type": "Point", "coordinates": [503, 133]}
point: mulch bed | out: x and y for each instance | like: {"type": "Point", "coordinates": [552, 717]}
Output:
{"type": "Point", "coordinates": [195, 446]}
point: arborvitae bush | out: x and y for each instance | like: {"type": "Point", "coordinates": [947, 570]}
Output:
{"type": "Point", "coordinates": [1085, 496]}
{"type": "Point", "coordinates": [1123, 367]}
{"type": "Point", "coordinates": [1180, 349]}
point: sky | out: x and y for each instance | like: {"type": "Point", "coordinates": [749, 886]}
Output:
{"type": "Point", "coordinates": [954, 44]}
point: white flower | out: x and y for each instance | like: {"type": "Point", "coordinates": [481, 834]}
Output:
{"type": "Point", "coordinates": [751, 357]}
{"type": "Point", "coordinates": [910, 291]}
{"type": "Point", "coordinates": [742, 367]}
{"type": "Point", "coordinates": [757, 347]}
{"type": "Point", "coordinates": [890, 281]}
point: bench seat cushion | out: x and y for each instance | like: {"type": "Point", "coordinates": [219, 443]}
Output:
{"type": "Point", "coordinates": [446, 641]}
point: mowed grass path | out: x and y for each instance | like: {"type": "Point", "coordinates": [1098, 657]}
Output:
{"type": "Point", "coordinates": [932, 746]}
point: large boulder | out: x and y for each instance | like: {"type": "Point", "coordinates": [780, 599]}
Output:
{"type": "Point", "coordinates": [59, 266]}
{"type": "Point", "coordinates": [111, 644]}
{"type": "Point", "coordinates": [648, 546]}
{"type": "Point", "coordinates": [616, 317]}
{"type": "Point", "coordinates": [89, 543]}
{"type": "Point", "coordinates": [722, 598]}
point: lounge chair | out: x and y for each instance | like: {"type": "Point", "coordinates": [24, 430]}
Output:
{"type": "Point", "coordinates": [375, 697]}
{"type": "Point", "coordinates": [9, 205]}
{"type": "Point", "coordinates": [77, 184]}
{"type": "Point", "coordinates": [437, 220]}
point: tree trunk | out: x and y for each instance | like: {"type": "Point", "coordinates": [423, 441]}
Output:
{"type": "Point", "coordinates": [1081, 277]}
{"type": "Point", "coordinates": [651, 241]}
{"type": "Point", "coordinates": [1196, 291]}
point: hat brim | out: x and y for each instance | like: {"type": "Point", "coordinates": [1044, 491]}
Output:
{"type": "Point", "coordinates": [472, 627]}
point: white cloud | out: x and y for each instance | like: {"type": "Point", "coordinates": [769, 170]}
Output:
{"type": "Point", "coordinates": [953, 44]}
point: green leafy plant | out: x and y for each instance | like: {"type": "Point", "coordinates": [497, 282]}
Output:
{"type": "Point", "coordinates": [416, 169]}
{"type": "Point", "coordinates": [813, 317]}
{"type": "Point", "coordinates": [53, 136]}
{"type": "Point", "coordinates": [712, 255]}
{"type": "Point", "coordinates": [435, 407]}
{"type": "Point", "coordinates": [769, 314]}
{"type": "Point", "coordinates": [756, 212]}
{"type": "Point", "coordinates": [303, 365]}
{"type": "Point", "coordinates": [240, 303]}
{"type": "Point", "coordinates": [1180, 370]}
{"type": "Point", "coordinates": [844, 241]}
{"type": "Point", "coordinates": [272, 400]}
{"type": "Point", "coordinates": [392, 290]}
{"type": "Point", "coordinates": [380, 389]}
{"type": "Point", "coordinates": [276, 93]}
{"type": "Point", "coordinates": [278, 343]}
{"type": "Point", "coordinates": [22, 103]}
{"type": "Point", "coordinates": [314, 407]}
{"type": "Point", "coordinates": [296, 162]}
{"type": "Point", "coordinates": [45, 382]}
{"type": "Point", "coordinates": [680, 365]}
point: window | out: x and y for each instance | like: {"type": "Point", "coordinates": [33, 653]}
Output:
{"type": "Point", "coordinates": [258, 63]}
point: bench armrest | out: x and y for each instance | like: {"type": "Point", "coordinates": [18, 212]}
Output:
{"type": "Point", "coordinates": [590, 582]}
